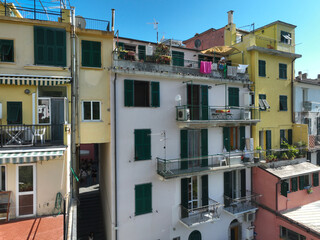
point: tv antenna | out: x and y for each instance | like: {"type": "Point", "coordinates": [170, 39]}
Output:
{"type": "Point", "coordinates": [155, 26]}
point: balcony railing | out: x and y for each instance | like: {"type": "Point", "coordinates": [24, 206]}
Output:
{"type": "Point", "coordinates": [217, 114]}
{"type": "Point", "coordinates": [171, 168]}
{"type": "Point", "coordinates": [31, 135]}
{"type": "Point", "coordinates": [129, 61]}
{"type": "Point", "coordinates": [248, 201]}
{"type": "Point", "coordinates": [199, 215]}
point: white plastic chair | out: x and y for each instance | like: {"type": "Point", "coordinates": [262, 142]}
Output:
{"type": "Point", "coordinates": [39, 133]}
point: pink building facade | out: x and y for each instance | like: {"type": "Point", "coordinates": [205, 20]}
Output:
{"type": "Point", "coordinates": [289, 206]}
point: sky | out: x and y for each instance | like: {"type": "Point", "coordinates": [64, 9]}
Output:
{"type": "Point", "coordinates": [181, 20]}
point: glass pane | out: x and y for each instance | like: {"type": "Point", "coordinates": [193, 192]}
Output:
{"type": "Point", "coordinates": [25, 204]}
{"type": "Point", "coordinates": [3, 178]}
{"type": "Point", "coordinates": [25, 178]}
{"type": "Point", "coordinates": [96, 111]}
{"type": "Point", "coordinates": [87, 110]}
{"type": "Point", "coordinates": [44, 110]}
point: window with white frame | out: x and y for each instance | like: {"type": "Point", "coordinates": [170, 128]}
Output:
{"type": "Point", "coordinates": [91, 111]}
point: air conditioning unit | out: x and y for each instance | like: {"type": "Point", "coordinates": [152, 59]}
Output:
{"type": "Point", "coordinates": [249, 217]}
{"type": "Point", "coordinates": [246, 115]}
{"type": "Point", "coordinates": [184, 114]}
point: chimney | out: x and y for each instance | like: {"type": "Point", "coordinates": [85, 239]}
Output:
{"type": "Point", "coordinates": [112, 20]}
{"type": "Point", "coordinates": [230, 17]}
{"type": "Point", "coordinates": [305, 76]}
{"type": "Point", "coordinates": [300, 75]}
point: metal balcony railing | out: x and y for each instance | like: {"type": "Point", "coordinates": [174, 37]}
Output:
{"type": "Point", "coordinates": [170, 168]}
{"type": "Point", "coordinates": [203, 214]}
{"type": "Point", "coordinates": [241, 202]}
{"type": "Point", "coordinates": [217, 113]}
{"type": "Point", "coordinates": [132, 61]}
{"type": "Point", "coordinates": [31, 135]}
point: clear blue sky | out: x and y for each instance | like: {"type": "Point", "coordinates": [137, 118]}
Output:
{"type": "Point", "coordinates": [182, 19]}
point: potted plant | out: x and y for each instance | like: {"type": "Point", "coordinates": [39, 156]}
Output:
{"type": "Point", "coordinates": [162, 54]}
{"type": "Point", "coordinates": [309, 190]}
{"type": "Point", "coordinates": [257, 155]}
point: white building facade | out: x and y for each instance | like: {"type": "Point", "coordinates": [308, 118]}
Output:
{"type": "Point", "coordinates": [181, 168]}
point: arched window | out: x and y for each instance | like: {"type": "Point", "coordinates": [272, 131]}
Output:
{"type": "Point", "coordinates": [195, 235]}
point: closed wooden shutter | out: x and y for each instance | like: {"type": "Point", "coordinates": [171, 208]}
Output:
{"type": "Point", "coordinates": [301, 183]}
{"type": "Point", "coordinates": [91, 53]}
{"type": "Point", "coordinates": [315, 177]}
{"type": "Point", "coordinates": [242, 137]}
{"type": "Point", "coordinates": [268, 139]}
{"type": "Point", "coordinates": [284, 188]}
{"type": "Point", "coordinates": [177, 58]}
{"type": "Point", "coordinates": [142, 144]}
{"type": "Point", "coordinates": [233, 96]}
{"type": "Point", "coordinates": [184, 197]}
{"type": "Point", "coordinates": [204, 102]}
{"type": "Point", "coordinates": [142, 52]}
{"type": "Point", "coordinates": [294, 184]}
{"type": "Point", "coordinates": [282, 71]}
{"type": "Point", "coordinates": [283, 103]}
{"type": "Point", "coordinates": [128, 93]}
{"type": "Point", "coordinates": [205, 193]}
{"type": "Point", "coordinates": [155, 94]}
{"type": "Point", "coordinates": [184, 148]}
{"type": "Point", "coordinates": [226, 138]}
{"type": "Point", "coordinates": [60, 48]}
{"type": "Point", "coordinates": [204, 147]}
{"type": "Point", "coordinates": [143, 198]}
{"type": "Point", "coordinates": [40, 48]}
{"type": "Point", "coordinates": [262, 68]}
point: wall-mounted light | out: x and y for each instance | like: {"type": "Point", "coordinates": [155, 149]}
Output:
{"type": "Point", "coordinates": [27, 91]}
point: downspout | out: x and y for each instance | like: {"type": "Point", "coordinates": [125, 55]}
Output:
{"type": "Point", "coordinates": [292, 83]}
{"type": "Point", "coordinates": [115, 155]}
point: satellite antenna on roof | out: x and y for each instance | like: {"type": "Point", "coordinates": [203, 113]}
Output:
{"type": "Point", "coordinates": [155, 26]}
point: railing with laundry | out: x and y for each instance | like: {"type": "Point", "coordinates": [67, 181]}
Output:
{"type": "Point", "coordinates": [31, 135]}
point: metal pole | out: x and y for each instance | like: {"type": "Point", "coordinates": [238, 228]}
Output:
{"type": "Point", "coordinates": [34, 9]}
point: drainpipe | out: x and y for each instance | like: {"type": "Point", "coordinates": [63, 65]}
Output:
{"type": "Point", "coordinates": [292, 83]}
{"type": "Point", "coordinates": [73, 102]}
{"type": "Point", "coordinates": [115, 154]}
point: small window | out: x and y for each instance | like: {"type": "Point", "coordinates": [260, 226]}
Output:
{"type": "Point", "coordinates": [233, 96]}
{"type": "Point", "coordinates": [91, 54]}
{"type": "Point", "coordinates": [6, 51]}
{"type": "Point", "coordinates": [286, 233]}
{"type": "Point", "coordinates": [143, 198]}
{"type": "Point", "coordinates": [141, 93]}
{"type": "Point", "coordinates": [303, 181]}
{"type": "Point", "coordinates": [283, 103]}
{"type": "Point", "coordinates": [262, 68]}
{"type": "Point", "coordinates": [91, 111]}
{"type": "Point", "coordinates": [142, 143]}
{"type": "Point", "coordinates": [285, 37]}
{"type": "Point", "coordinates": [14, 112]}
{"type": "Point", "coordinates": [282, 71]}
{"type": "Point", "coordinates": [177, 58]}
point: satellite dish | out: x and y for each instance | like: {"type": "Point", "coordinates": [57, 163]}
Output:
{"type": "Point", "coordinates": [80, 22]}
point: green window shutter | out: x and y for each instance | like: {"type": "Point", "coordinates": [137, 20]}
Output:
{"type": "Point", "coordinates": [128, 93]}
{"type": "Point", "coordinates": [301, 182]}
{"type": "Point", "coordinates": [290, 136]}
{"type": "Point", "coordinates": [155, 94]}
{"type": "Point", "coordinates": [14, 112]}
{"type": "Point", "coordinates": [96, 54]}
{"type": "Point", "coordinates": [242, 137]}
{"type": "Point", "coordinates": [91, 53]}
{"type": "Point", "coordinates": [143, 198]}
{"type": "Point", "coordinates": [233, 96]}
{"type": "Point", "coordinates": [268, 139]}
{"type": "Point", "coordinates": [282, 71]}
{"type": "Point", "coordinates": [227, 181]}
{"type": "Point", "coordinates": [262, 68]}
{"type": "Point", "coordinates": [243, 182]}
{"type": "Point", "coordinates": [284, 188]}
{"type": "Point", "coordinates": [40, 48]}
{"type": "Point", "coordinates": [142, 143]}
{"type": "Point", "coordinates": [184, 197]}
{"type": "Point", "coordinates": [85, 53]}
{"type": "Point", "coordinates": [184, 148]}
{"type": "Point", "coordinates": [204, 102]}
{"type": "Point", "coordinates": [226, 138]}
{"type": "Point", "coordinates": [294, 184]}
{"type": "Point", "coordinates": [283, 103]}
{"type": "Point", "coordinates": [315, 177]}
{"type": "Point", "coordinates": [60, 48]}
{"type": "Point", "coordinates": [177, 58]}
{"type": "Point", "coordinates": [142, 52]}
{"type": "Point", "coordinates": [205, 190]}
{"type": "Point", "coordinates": [204, 147]}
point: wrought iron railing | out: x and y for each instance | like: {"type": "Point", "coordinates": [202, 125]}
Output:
{"type": "Point", "coordinates": [31, 135]}
{"type": "Point", "coordinates": [216, 113]}
{"type": "Point", "coordinates": [169, 168]}
{"type": "Point", "coordinates": [201, 214]}
{"type": "Point", "coordinates": [241, 202]}
{"type": "Point", "coordinates": [93, 24]}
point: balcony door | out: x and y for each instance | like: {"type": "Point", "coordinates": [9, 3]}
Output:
{"type": "Point", "coordinates": [57, 119]}
{"type": "Point", "coordinates": [234, 185]}
{"type": "Point", "coordinates": [26, 186]}
{"type": "Point", "coordinates": [197, 100]}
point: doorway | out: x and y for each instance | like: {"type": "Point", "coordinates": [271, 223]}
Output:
{"type": "Point", "coordinates": [57, 119]}
{"type": "Point", "coordinates": [26, 186]}
{"type": "Point", "coordinates": [235, 230]}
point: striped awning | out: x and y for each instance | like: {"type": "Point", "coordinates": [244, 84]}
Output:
{"type": "Point", "coordinates": [29, 157]}
{"type": "Point", "coordinates": [33, 80]}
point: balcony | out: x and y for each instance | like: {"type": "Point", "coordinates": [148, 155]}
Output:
{"type": "Point", "coordinates": [22, 136]}
{"type": "Point", "coordinates": [204, 214]}
{"type": "Point", "coordinates": [206, 116]}
{"type": "Point", "coordinates": [128, 62]}
{"type": "Point", "coordinates": [172, 168]}
{"type": "Point", "coordinates": [240, 205]}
